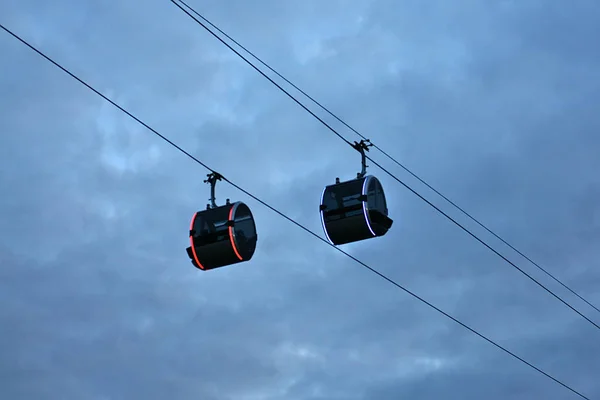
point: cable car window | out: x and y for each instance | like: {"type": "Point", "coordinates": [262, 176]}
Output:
{"type": "Point", "coordinates": [330, 200]}
{"type": "Point", "coordinates": [333, 202]}
{"type": "Point", "coordinates": [351, 194]}
{"type": "Point", "coordinates": [210, 227]}
{"type": "Point", "coordinates": [343, 200]}
{"type": "Point", "coordinates": [376, 197]}
{"type": "Point", "coordinates": [203, 230]}
{"type": "Point", "coordinates": [245, 230]}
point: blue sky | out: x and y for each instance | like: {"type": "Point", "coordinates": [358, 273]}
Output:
{"type": "Point", "coordinates": [492, 103]}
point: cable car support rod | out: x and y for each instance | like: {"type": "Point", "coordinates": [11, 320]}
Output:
{"type": "Point", "coordinates": [361, 147]}
{"type": "Point", "coordinates": [213, 177]}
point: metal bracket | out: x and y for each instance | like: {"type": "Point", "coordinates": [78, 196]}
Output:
{"type": "Point", "coordinates": [213, 177]}
{"type": "Point", "coordinates": [361, 147]}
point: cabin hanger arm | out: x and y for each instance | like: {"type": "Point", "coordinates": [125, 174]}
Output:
{"type": "Point", "coordinates": [361, 147]}
{"type": "Point", "coordinates": [213, 177]}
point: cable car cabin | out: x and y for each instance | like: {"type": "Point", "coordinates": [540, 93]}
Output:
{"type": "Point", "coordinates": [354, 210]}
{"type": "Point", "coordinates": [222, 236]}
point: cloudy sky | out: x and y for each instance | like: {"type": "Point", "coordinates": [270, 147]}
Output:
{"type": "Point", "coordinates": [492, 103]}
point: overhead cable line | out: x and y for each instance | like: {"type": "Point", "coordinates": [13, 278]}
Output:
{"type": "Point", "coordinates": [390, 157]}
{"type": "Point", "coordinates": [382, 168]}
{"type": "Point", "coordinates": [472, 330]}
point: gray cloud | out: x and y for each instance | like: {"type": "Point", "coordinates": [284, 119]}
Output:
{"type": "Point", "coordinates": [491, 104]}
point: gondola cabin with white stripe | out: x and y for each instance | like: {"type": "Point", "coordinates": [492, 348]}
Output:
{"type": "Point", "coordinates": [356, 209]}
{"type": "Point", "coordinates": [221, 235]}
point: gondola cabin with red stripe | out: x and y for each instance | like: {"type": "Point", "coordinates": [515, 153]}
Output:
{"type": "Point", "coordinates": [221, 235]}
{"type": "Point", "coordinates": [356, 209]}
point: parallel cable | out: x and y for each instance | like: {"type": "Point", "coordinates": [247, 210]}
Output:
{"type": "Point", "coordinates": [472, 330]}
{"type": "Point", "coordinates": [390, 157]}
{"type": "Point", "coordinates": [385, 170]}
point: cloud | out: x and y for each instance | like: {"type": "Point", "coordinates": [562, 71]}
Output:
{"type": "Point", "coordinates": [491, 104]}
